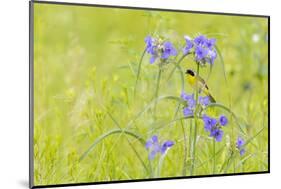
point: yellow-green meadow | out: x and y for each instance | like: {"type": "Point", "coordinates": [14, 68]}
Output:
{"type": "Point", "coordinates": [112, 100]}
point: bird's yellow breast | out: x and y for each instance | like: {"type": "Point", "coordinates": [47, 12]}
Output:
{"type": "Point", "coordinates": [191, 80]}
{"type": "Point", "coordinates": [197, 85]}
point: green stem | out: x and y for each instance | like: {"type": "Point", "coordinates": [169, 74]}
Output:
{"type": "Point", "coordinates": [195, 125]}
{"type": "Point", "coordinates": [160, 163]}
{"type": "Point", "coordinates": [190, 139]}
{"type": "Point", "coordinates": [214, 154]}
{"type": "Point", "coordinates": [229, 95]}
{"type": "Point", "coordinates": [138, 72]}
{"type": "Point", "coordinates": [232, 157]}
{"type": "Point", "coordinates": [185, 150]}
{"type": "Point", "coordinates": [157, 89]}
{"type": "Point", "coordinates": [176, 65]}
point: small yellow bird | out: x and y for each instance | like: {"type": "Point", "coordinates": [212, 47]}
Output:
{"type": "Point", "coordinates": [198, 83]}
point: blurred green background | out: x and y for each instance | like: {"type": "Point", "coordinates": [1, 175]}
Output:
{"type": "Point", "coordinates": [85, 66]}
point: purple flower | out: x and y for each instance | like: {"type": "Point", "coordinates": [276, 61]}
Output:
{"type": "Point", "coordinates": [242, 152]}
{"type": "Point", "coordinates": [151, 48]}
{"type": "Point", "coordinates": [223, 120]}
{"type": "Point", "coordinates": [209, 123]}
{"type": "Point", "coordinates": [188, 45]}
{"type": "Point", "coordinates": [152, 59]}
{"type": "Point", "coordinates": [200, 40]}
{"type": "Point", "coordinates": [210, 43]}
{"type": "Point", "coordinates": [217, 134]}
{"type": "Point", "coordinates": [166, 145]}
{"type": "Point", "coordinates": [155, 147]}
{"type": "Point", "coordinates": [204, 101]}
{"type": "Point", "coordinates": [240, 145]}
{"type": "Point", "coordinates": [240, 142]}
{"type": "Point", "coordinates": [184, 96]}
{"type": "Point", "coordinates": [191, 102]}
{"type": "Point", "coordinates": [204, 50]}
{"type": "Point", "coordinates": [157, 49]}
{"type": "Point", "coordinates": [213, 126]}
{"type": "Point", "coordinates": [200, 53]}
{"type": "Point", "coordinates": [150, 44]}
{"type": "Point", "coordinates": [187, 112]}
{"type": "Point", "coordinates": [169, 50]}
{"type": "Point", "coordinates": [212, 56]}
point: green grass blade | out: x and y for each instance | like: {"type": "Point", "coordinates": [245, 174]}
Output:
{"type": "Point", "coordinates": [176, 65]}
{"type": "Point", "coordinates": [253, 137]}
{"type": "Point", "coordinates": [195, 127]}
{"type": "Point", "coordinates": [214, 156]}
{"type": "Point", "coordinates": [244, 160]}
{"type": "Point", "coordinates": [228, 163]}
{"type": "Point", "coordinates": [185, 150]}
{"type": "Point", "coordinates": [157, 90]}
{"type": "Point", "coordinates": [181, 77]}
{"type": "Point", "coordinates": [138, 71]}
{"type": "Point", "coordinates": [232, 157]}
{"type": "Point", "coordinates": [161, 126]}
{"type": "Point", "coordinates": [151, 104]}
{"type": "Point", "coordinates": [211, 158]}
{"type": "Point", "coordinates": [209, 73]}
{"type": "Point", "coordinates": [109, 133]}
{"type": "Point", "coordinates": [222, 63]}
{"type": "Point", "coordinates": [131, 145]}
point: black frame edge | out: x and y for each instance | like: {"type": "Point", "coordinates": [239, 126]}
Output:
{"type": "Point", "coordinates": [269, 127]}
{"type": "Point", "coordinates": [31, 95]}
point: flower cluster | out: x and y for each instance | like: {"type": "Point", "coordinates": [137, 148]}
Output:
{"type": "Point", "coordinates": [159, 49]}
{"type": "Point", "coordinates": [202, 47]}
{"type": "Point", "coordinates": [188, 110]}
{"type": "Point", "coordinates": [214, 126]}
{"type": "Point", "coordinates": [155, 147]}
{"type": "Point", "coordinates": [240, 145]}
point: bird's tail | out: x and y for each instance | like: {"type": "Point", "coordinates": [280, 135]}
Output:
{"type": "Point", "coordinates": [212, 99]}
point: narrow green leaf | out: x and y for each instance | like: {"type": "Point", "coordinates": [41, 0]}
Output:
{"type": "Point", "coordinates": [131, 145]}
{"type": "Point", "coordinates": [233, 155]}
{"type": "Point", "coordinates": [139, 70]}
{"type": "Point", "coordinates": [109, 133]}
{"type": "Point", "coordinates": [151, 104]}
{"type": "Point", "coordinates": [176, 65]}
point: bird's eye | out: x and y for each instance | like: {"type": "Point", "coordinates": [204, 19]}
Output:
{"type": "Point", "coordinates": [190, 72]}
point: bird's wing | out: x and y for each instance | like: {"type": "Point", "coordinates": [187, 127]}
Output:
{"type": "Point", "coordinates": [200, 79]}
